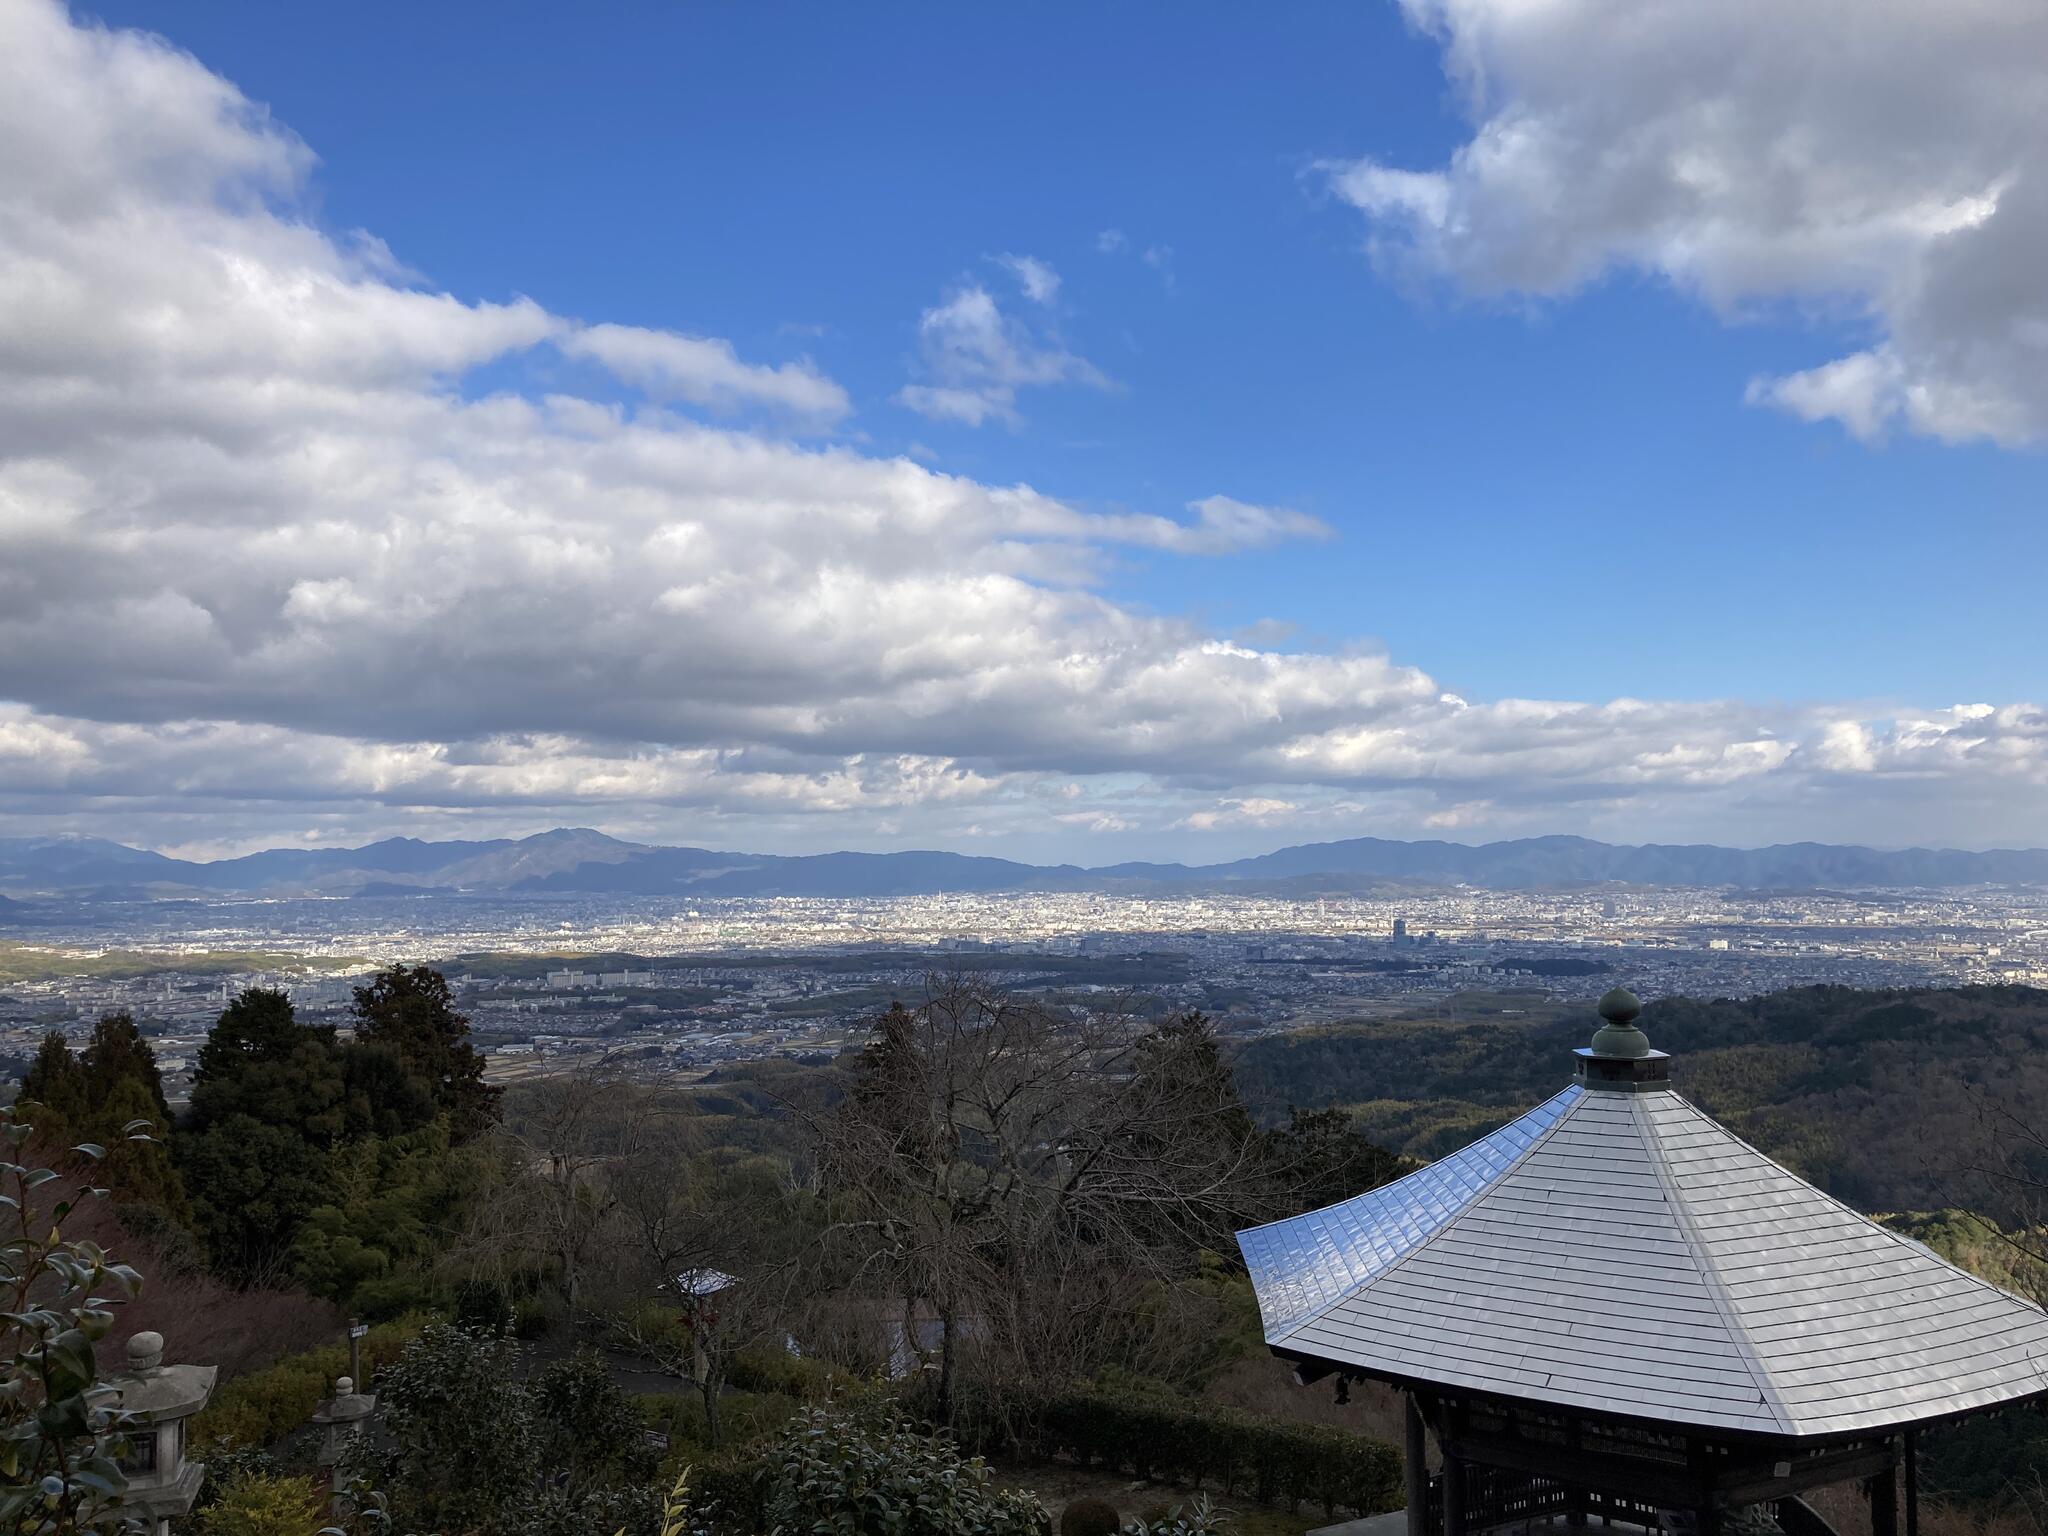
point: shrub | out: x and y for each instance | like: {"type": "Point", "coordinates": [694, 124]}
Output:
{"type": "Point", "coordinates": [462, 1431]}
{"type": "Point", "coordinates": [744, 1418]}
{"type": "Point", "coordinates": [862, 1469]}
{"type": "Point", "coordinates": [263, 1407]}
{"type": "Point", "coordinates": [481, 1306]}
{"type": "Point", "coordinates": [58, 1423]}
{"type": "Point", "coordinates": [258, 1504]}
{"type": "Point", "coordinates": [598, 1512]}
{"type": "Point", "coordinates": [529, 1318]}
{"type": "Point", "coordinates": [725, 1495]}
{"type": "Point", "coordinates": [1090, 1517]}
{"type": "Point", "coordinates": [1196, 1519]}
{"type": "Point", "coordinates": [1168, 1439]}
{"type": "Point", "coordinates": [225, 1468]}
{"type": "Point", "coordinates": [589, 1433]}
{"type": "Point", "coordinates": [765, 1368]}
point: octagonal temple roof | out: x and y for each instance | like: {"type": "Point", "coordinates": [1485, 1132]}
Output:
{"type": "Point", "coordinates": [1617, 1251]}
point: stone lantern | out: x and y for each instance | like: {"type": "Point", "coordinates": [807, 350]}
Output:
{"type": "Point", "coordinates": [157, 1400]}
{"type": "Point", "coordinates": [341, 1419]}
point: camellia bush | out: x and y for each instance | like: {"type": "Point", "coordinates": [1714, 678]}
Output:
{"type": "Point", "coordinates": [60, 1424]}
{"type": "Point", "coordinates": [856, 1468]}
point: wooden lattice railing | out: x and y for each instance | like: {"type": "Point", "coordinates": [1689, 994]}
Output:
{"type": "Point", "coordinates": [1495, 1497]}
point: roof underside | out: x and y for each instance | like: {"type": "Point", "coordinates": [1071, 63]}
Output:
{"type": "Point", "coordinates": [1622, 1253]}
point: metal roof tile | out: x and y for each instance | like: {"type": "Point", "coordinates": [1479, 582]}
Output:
{"type": "Point", "coordinates": [1761, 1303]}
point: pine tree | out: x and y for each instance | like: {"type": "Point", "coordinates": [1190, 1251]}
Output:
{"type": "Point", "coordinates": [412, 1011]}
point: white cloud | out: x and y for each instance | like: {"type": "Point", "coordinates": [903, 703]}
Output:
{"type": "Point", "coordinates": [1111, 242]}
{"type": "Point", "coordinates": [1221, 526]}
{"type": "Point", "coordinates": [1883, 162]}
{"type": "Point", "coordinates": [705, 371]}
{"type": "Point", "coordinates": [1257, 811]}
{"type": "Point", "coordinates": [975, 359]}
{"type": "Point", "coordinates": [1040, 283]}
{"type": "Point", "coordinates": [268, 565]}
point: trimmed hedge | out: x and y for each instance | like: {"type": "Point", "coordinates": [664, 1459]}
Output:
{"type": "Point", "coordinates": [1193, 1444]}
{"type": "Point", "coordinates": [261, 1408]}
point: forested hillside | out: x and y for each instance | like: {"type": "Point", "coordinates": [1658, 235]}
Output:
{"type": "Point", "coordinates": [1890, 1100]}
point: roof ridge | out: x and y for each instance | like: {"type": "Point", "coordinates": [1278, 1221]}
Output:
{"type": "Point", "coordinates": [1710, 1275]}
{"type": "Point", "coordinates": [1451, 1220]}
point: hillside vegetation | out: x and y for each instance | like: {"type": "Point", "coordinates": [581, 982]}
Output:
{"type": "Point", "coordinates": [1890, 1100]}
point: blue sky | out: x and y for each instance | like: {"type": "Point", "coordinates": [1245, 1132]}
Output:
{"type": "Point", "coordinates": [1540, 482]}
{"type": "Point", "coordinates": [1505, 475]}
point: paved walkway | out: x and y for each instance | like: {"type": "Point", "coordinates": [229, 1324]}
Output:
{"type": "Point", "coordinates": [1393, 1523]}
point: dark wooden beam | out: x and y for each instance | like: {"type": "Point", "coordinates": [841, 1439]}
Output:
{"type": "Point", "coordinates": [1884, 1503]}
{"type": "Point", "coordinates": [1753, 1485]}
{"type": "Point", "coordinates": [1912, 1482]}
{"type": "Point", "coordinates": [1454, 1494]}
{"type": "Point", "coordinates": [1417, 1454]}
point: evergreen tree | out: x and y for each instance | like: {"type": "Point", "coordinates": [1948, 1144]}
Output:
{"type": "Point", "coordinates": [259, 1062]}
{"type": "Point", "coordinates": [385, 1096]}
{"type": "Point", "coordinates": [259, 1025]}
{"type": "Point", "coordinates": [1319, 1158]}
{"type": "Point", "coordinates": [411, 1010]}
{"type": "Point", "coordinates": [117, 1053]}
{"type": "Point", "coordinates": [253, 1186]}
{"type": "Point", "coordinates": [95, 1098]}
{"type": "Point", "coordinates": [55, 1085]}
{"type": "Point", "coordinates": [140, 1171]}
{"type": "Point", "coordinates": [267, 1104]}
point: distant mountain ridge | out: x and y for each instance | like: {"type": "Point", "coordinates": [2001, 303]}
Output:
{"type": "Point", "coordinates": [581, 861]}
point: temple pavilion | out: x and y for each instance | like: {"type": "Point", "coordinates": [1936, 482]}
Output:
{"type": "Point", "coordinates": [1614, 1307]}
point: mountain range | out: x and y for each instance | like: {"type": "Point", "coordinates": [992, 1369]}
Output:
{"type": "Point", "coordinates": [580, 861]}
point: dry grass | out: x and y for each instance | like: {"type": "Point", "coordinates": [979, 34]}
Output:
{"type": "Point", "coordinates": [203, 1321]}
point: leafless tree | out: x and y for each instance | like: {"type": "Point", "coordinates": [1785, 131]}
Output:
{"type": "Point", "coordinates": [715, 1249]}
{"type": "Point", "coordinates": [2001, 1163]}
{"type": "Point", "coordinates": [1015, 1174]}
{"type": "Point", "coordinates": [552, 1202]}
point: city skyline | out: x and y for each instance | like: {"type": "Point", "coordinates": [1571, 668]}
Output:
{"type": "Point", "coordinates": [1104, 437]}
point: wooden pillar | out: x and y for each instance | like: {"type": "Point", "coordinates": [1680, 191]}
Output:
{"type": "Point", "coordinates": [1416, 1451]}
{"type": "Point", "coordinates": [1574, 1493]}
{"type": "Point", "coordinates": [1912, 1482]}
{"type": "Point", "coordinates": [1884, 1502]}
{"type": "Point", "coordinates": [1454, 1483]}
{"type": "Point", "coordinates": [1701, 1457]}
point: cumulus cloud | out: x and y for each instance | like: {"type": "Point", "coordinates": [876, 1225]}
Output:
{"type": "Point", "coordinates": [268, 563]}
{"type": "Point", "coordinates": [1881, 161]}
{"type": "Point", "coordinates": [974, 358]}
